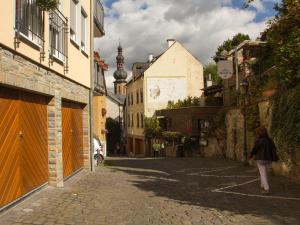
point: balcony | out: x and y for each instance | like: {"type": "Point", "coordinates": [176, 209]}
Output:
{"type": "Point", "coordinates": [98, 19]}
{"type": "Point", "coordinates": [58, 38]}
{"type": "Point", "coordinates": [29, 25]}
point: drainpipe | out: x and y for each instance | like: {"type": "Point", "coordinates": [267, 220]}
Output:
{"type": "Point", "coordinates": [91, 83]}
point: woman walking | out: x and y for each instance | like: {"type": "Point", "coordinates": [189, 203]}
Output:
{"type": "Point", "coordinates": [264, 152]}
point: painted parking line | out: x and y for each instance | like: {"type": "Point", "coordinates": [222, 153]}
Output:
{"type": "Point", "coordinates": [223, 190]}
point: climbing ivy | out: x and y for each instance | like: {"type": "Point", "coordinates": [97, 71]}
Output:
{"type": "Point", "coordinates": [286, 124]}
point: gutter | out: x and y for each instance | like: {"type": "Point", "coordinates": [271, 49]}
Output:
{"type": "Point", "coordinates": [92, 167]}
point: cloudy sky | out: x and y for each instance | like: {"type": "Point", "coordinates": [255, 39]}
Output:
{"type": "Point", "coordinates": [143, 26]}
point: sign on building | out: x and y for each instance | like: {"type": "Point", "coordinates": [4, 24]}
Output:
{"type": "Point", "coordinates": [225, 69]}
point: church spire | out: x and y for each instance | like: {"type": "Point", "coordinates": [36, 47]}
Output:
{"type": "Point", "coordinates": [120, 74]}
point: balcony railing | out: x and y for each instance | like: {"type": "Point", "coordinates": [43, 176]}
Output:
{"type": "Point", "coordinates": [99, 15]}
{"type": "Point", "coordinates": [29, 24]}
{"type": "Point", "coordinates": [58, 29]}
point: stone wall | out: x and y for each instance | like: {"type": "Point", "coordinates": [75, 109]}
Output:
{"type": "Point", "coordinates": [234, 139]}
{"type": "Point", "coordinates": [19, 72]}
{"type": "Point", "coordinates": [235, 134]}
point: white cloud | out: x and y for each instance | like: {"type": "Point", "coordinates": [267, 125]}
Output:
{"type": "Point", "coordinates": [144, 25]}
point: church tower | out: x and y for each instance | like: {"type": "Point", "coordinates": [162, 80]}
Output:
{"type": "Point", "coordinates": [120, 74]}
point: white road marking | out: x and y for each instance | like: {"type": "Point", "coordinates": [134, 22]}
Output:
{"type": "Point", "coordinates": [221, 190]}
{"type": "Point", "coordinates": [236, 185]}
{"type": "Point", "coordinates": [258, 196]}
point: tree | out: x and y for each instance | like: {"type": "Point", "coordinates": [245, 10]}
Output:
{"type": "Point", "coordinates": [283, 35]}
{"type": "Point", "coordinates": [211, 69]}
{"type": "Point", "coordinates": [187, 102]}
{"type": "Point", "coordinates": [152, 127]}
{"type": "Point", "coordinates": [230, 44]}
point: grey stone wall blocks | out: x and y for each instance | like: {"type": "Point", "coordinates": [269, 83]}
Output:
{"type": "Point", "coordinates": [18, 72]}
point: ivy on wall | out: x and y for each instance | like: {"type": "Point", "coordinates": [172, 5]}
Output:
{"type": "Point", "coordinates": [286, 124]}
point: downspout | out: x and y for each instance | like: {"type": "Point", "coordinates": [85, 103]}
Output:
{"type": "Point", "coordinates": [92, 167]}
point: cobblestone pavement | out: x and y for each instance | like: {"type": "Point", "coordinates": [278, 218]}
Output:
{"type": "Point", "coordinates": [187, 191]}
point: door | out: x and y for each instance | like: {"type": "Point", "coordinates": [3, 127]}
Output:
{"type": "Point", "coordinates": [34, 141]}
{"type": "Point", "coordinates": [23, 143]}
{"type": "Point", "coordinates": [72, 137]}
{"type": "Point", "coordinates": [10, 177]}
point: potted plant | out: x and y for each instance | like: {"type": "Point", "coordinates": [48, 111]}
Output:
{"type": "Point", "coordinates": [47, 5]}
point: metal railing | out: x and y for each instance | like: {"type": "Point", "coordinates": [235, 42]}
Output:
{"type": "Point", "coordinates": [58, 29]}
{"type": "Point", "coordinates": [99, 15]}
{"type": "Point", "coordinates": [29, 24]}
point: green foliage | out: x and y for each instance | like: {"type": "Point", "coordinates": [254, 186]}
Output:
{"type": "Point", "coordinates": [156, 147]}
{"type": "Point", "coordinates": [187, 145]}
{"type": "Point", "coordinates": [212, 69]}
{"type": "Point", "coordinates": [152, 127]}
{"type": "Point", "coordinates": [171, 135]}
{"type": "Point", "coordinates": [189, 101]}
{"type": "Point", "coordinates": [286, 124]}
{"type": "Point", "coordinates": [230, 44]}
{"type": "Point", "coordinates": [283, 35]}
{"type": "Point", "coordinates": [252, 117]}
{"type": "Point", "coordinates": [47, 5]}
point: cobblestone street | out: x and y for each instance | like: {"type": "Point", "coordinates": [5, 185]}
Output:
{"type": "Point", "coordinates": [187, 191]}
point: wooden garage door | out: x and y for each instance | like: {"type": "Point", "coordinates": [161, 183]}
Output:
{"type": "Point", "coordinates": [23, 143]}
{"type": "Point", "coordinates": [72, 137]}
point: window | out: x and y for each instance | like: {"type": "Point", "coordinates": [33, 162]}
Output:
{"type": "Point", "coordinates": [137, 97]}
{"type": "Point", "coordinates": [83, 29]}
{"type": "Point", "coordinates": [137, 120]}
{"type": "Point", "coordinates": [131, 98]}
{"type": "Point", "coordinates": [73, 19]}
{"type": "Point", "coordinates": [142, 120]}
{"type": "Point", "coordinates": [29, 21]}
{"type": "Point", "coordinates": [142, 97]}
{"type": "Point", "coordinates": [132, 123]}
{"type": "Point", "coordinates": [58, 35]}
{"type": "Point", "coordinates": [128, 120]}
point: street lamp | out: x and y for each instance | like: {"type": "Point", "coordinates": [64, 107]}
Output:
{"type": "Point", "coordinates": [244, 85]}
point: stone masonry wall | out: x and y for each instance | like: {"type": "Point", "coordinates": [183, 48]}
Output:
{"type": "Point", "coordinates": [18, 72]}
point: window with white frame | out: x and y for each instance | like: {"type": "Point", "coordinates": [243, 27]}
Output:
{"type": "Point", "coordinates": [83, 29]}
{"type": "Point", "coordinates": [29, 21]}
{"type": "Point", "coordinates": [58, 35]}
{"type": "Point", "coordinates": [73, 19]}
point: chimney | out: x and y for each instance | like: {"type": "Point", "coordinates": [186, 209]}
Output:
{"type": "Point", "coordinates": [170, 42]}
{"type": "Point", "coordinates": [150, 57]}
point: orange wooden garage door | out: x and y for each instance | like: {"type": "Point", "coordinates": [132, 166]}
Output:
{"type": "Point", "coordinates": [72, 137]}
{"type": "Point", "coordinates": [23, 143]}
